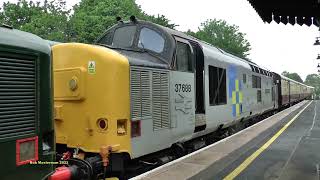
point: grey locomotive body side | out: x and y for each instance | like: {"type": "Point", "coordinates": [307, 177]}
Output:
{"type": "Point", "coordinates": [182, 88]}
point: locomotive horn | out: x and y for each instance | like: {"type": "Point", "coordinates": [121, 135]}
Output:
{"type": "Point", "coordinates": [133, 19]}
{"type": "Point", "coordinates": [119, 19]}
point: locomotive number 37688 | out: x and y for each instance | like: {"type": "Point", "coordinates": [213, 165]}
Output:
{"type": "Point", "coordinates": [182, 87]}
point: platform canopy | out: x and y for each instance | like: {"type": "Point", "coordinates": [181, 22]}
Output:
{"type": "Point", "coordinates": [288, 11]}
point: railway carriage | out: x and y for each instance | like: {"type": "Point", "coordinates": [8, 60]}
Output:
{"type": "Point", "coordinates": [290, 91]}
{"type": "Point", "coordinates": [26, 104]}
{"type": "Point", "coordinates": [144, 88]}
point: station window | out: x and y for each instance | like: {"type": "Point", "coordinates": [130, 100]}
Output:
{"type": "Point", "coordinates": [256, 81]}
{"type": "Point", "coordinates": [183, 57]}
{"type": "Point", "coordinates": [259, 95]}
{"type": "Point", "coordinates": [217, 86]}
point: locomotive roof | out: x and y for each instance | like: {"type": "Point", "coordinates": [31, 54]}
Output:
{"type": "Point", "coordinates": [16, 38]}
{"type": "Point", "coordinates": [185, 36]}
{"type": "Point", "coordinates": [168, 35]}
{"type": "Point", "coordinates": [142, 59]}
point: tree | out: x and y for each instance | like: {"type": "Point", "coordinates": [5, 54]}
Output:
{"type": "Point", "coordinates": [314, 81]}
{"type": "Point", "coordinates": [91, 18]}
{"type": "Point", "coordinates": [48, 20]}
{"type": "Point", "coordinates": [224, 36]}
{"type": "Point", "coordinates": [294, 76]}
{"type": "Point", "coordinates": [53, 21]}
{"type": "Point", "coordinates": [159, 19]}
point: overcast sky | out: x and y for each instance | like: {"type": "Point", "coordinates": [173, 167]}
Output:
{"type": "Point", "coordinates": [276, 47]}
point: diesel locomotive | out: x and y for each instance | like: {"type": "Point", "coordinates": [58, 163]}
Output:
{"type": "Point", "coordinates": [142, 89]}
{"type": "Point", "coordinates": [26, 106]}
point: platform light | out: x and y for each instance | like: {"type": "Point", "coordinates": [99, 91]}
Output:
{"type": "Point", "coordinates": [318, 56]}
{"type": "Point", "coordinates": [317, 41]}
{"type": "Point", "coordinates": [318, 66]}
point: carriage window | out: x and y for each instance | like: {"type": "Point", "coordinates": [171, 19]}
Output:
{"type": "Point", "coordinates": [217, 86]}
{"type": "Point", "coordinates": [184, 58]}
{"type": "Point", "coordinates": [124, 36]}
{"type": "Point", "coordinates": [149, 39]}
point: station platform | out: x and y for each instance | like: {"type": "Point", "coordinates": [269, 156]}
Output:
{"type": "Point", "coordinates": [283, 146]}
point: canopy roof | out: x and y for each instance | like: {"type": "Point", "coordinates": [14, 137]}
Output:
{"type": "Point", "coordinates": [288, 11]}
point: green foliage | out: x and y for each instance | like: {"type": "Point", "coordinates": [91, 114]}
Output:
{"type": "Point", "coordinates": [314, 80]}
{"type": "Point", "coordinates": [294, 76]}
{"type": "Point", "coordinates": [159, 19]}
{"type": "Point", "coordinates": [48, 20]}
{"type": "Point", "coordinates": [90, 18]}
{"type": "Point", "coordinates": [224, 36]}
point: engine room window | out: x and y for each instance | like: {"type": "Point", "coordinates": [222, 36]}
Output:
{"type": "Point", "coordinates": [273, 94]}
{"type": "Point", "coordinates": [259, 95]}
{"type": "Point", "coordinates": [256, 81]}
{"type": "Point", "coordinates": [149, 39]}
{"type": "Point", "coordinates": [124, 36]}
{"type": "Point", "coordinates": [183, 58]}
{"type": "Point", "coordinates": [244, 78]}
{"type": "Point", "coordinates": [217, 86]}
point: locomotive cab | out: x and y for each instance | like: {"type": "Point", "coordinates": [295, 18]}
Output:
{"type": "Point", "coordinates": [168, 49]}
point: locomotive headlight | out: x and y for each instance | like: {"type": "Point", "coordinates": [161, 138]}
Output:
{"type": "Point", "coordinates": [73, 83]}
{"type": "Point", "coordinates": [102, 123]}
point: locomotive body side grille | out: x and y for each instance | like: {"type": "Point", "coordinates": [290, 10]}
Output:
{"type": "Point", "coordinates": [160, 100]}
{"type": "Point", "coordinates": [140, 94]}
{"type": "Point", "coordinates": [17, 95]}
{"type": "Point", "coordinates": [150, 96]}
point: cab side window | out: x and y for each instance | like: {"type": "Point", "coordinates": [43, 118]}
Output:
{"type": "Point", "coordinates": [107, 39]}
{"type": "Point", "coordinates": [183, 57]}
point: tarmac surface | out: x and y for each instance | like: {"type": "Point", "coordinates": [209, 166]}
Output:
{"type": "Point", "coordinates": [283, 146]}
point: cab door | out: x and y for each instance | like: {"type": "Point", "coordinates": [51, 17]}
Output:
{"type": "Point", "coordinates": [182, 88]}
